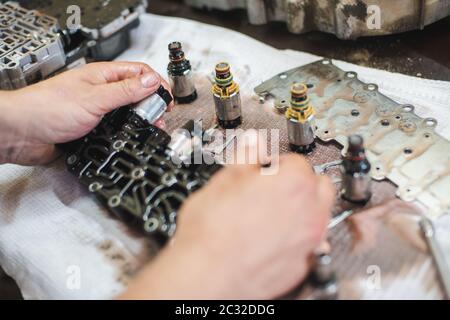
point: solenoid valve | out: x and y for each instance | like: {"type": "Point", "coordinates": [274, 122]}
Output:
{"type": "Point", "coordinates": [227, 97]}
{"type": "Point", "coordinates": [356, 179]}
{"type": "Point", "coordinates": [181, 77]}
{"type": "Point", "coordinates": [300, 117]}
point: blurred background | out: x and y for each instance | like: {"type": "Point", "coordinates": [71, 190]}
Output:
{"type": "Point", "coordinates": [424, 53]}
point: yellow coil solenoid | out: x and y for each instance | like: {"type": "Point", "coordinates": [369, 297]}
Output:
{"type": "Point", "coordinates": [300, 120]}
{"type": "Point", "coordinates": [227, 97]}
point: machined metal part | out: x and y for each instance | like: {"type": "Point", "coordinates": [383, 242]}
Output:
{"type": "Point", "coordinates": [400, 145]}
{"type": "Point", "coordinates": [104, 28]}
{"type": "Point", "coordinates": [438, 257]}
{"type": "Point", "coordinates": [127, 163]}
{"type": "Point", "coordinates": [355, 169]}
{"type": "Point", "coordinates": [323, 168]}
{"type": "Point", "coordinates": [183, 85]}
{"type": "Point", "coordinates": [185, 141]}
{"type": "Point", "coordinates": [356, 187]}
{"type": "Point", "coordinates": [153, 107]}
{"type": "Point", "coordinates": [229, 108]}
{"type": "Point", "coordinates": [301, 134]}
{"type": "Point", "coordinates": [30, 48]}
{"type": "Point", "coordinates": [37, 41]}
{"type": "Point", "coordinates": [347, 19]}
{"type": "Point", "coordinates": [101, 19]}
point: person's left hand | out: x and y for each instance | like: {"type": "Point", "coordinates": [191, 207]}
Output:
{"type": "Point", "coordinates": [67, 107]}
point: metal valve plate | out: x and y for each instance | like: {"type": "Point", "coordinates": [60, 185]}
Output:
{"type": "Point", "coordinates": [401, 146]}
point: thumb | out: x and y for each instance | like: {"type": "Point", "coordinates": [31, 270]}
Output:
{"type": "Point", "coordinates": [130, 90]}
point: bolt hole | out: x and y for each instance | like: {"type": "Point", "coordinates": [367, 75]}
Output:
{"type": "Point", "coordinates": [137, 173]}
{"type": "Point", "coordinates": [72, 159]}
{"type": "Point", "coordinates": [326, 132]}
{"type": "Point", "coordinates": [118, 144]}
{"type": "Point", "coordinates": [94, 187]}
{"type": "Point", "coordinates": [398, 117]}
{"type": "Point", "coordinates": [114, 201]}
{"type": "Point", "coordinates": [407, 151]}
{"type": "Point", "coordinates": [427, 135]}
{"type": "Point", "coordinates": [407, 108]}
{"type": "Point", "coordinates": [385, 122]}
{"type": "Point", "coordinates": [430, 122]}
{"type": "Point", "coordinates": [355, 113]}
{"type": "Point", "coordinates": [151, 225]}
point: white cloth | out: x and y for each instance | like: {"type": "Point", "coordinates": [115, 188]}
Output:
{"type": "Point", "coordinates": [51, 231]}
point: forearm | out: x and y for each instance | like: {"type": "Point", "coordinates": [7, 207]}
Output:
{"type": "Point", "coordinates": [181, 274]}
{"type": "Point", "coordinates": [10, 131]}
{"type": "Point", "coordinates": [21, 128]}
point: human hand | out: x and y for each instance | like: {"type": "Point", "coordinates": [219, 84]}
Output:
{"type": "Point", "coordinates": [243, 236]}
{"type": "Point", "coordinates": [67, 107]}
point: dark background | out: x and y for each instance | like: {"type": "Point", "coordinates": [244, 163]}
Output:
{"type": "Point", "coordinates": [423, 53]}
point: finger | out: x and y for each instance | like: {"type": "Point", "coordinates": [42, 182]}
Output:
{"type": "Point", "coordinates": [294, 164]}
{"type": "Point", "coordinates": [225, 178]}
{"type": "Point", "coordinates": [106, 72]}
{"type": "Point", "coordinates": [323, 248]}
{"type": "Point", "coordinates": [326, 196]}
{"type": "Point", "coordinates": [128, 91]}
{"type": "Point", "coordinates": [327, 191]}
{"type": "Point", "coordinates": [40, 155]}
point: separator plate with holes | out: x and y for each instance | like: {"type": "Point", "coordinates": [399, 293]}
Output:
{"type": "Point", "coordinates": [401, 146]}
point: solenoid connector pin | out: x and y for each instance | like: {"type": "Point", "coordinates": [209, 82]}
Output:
{"type": "Point", "coordinates": [356, 179]}
{"type": "Point", "coordinates": [180, 75]}
{"type": "Point", "coordinates": [227, 97]}
{"type": "Point", "coordinates": [300, 117]}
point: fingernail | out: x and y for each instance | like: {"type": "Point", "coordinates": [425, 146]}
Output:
{"type": "Point", "coordinates": [150, 80]}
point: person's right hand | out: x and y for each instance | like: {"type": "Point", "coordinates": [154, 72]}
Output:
{"type": "Point", "coordinates": [243, 236]}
